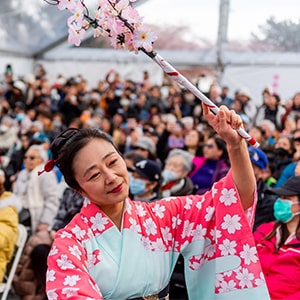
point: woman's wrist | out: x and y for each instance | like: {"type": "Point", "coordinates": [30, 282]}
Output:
{"type": "Point", "coordinates": [237, 147]}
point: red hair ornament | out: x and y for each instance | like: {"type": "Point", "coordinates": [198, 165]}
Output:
{"type": "Point", "coordinates": [49, 165]}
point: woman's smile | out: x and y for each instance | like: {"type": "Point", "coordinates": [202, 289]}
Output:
{"type": "Point", "coordinates": [117, 189]}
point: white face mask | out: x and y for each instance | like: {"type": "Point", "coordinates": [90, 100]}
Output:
{"type": "Point", "coordinates": [124, 102]}
{"type": "Point", "coordinates": [169, 176]}
{"type": "Point", "coordinates": [3, 128]}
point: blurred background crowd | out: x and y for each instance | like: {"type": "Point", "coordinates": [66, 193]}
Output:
{"type": "Point", "coordinates": [169, 149]}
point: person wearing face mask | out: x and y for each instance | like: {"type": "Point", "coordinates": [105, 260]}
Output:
{"type": "Point", "coordinates": [175, 181]}
{"type": "Point", "coordinates": [282, 155]}
{"type": "Point", "coordinates": [278, 243]}
{"type": "Point", "coordinates": [144, 184]}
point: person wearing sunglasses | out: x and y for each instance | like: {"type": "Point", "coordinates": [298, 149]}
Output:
{"type": "Point", "coordinates": [278, 243]}
{"type": "Point", "coordinates": [210, 167]}
{"type": "Point", "coordinates": [39, 195]}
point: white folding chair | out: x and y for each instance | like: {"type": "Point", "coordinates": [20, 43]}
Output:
{"type": "Point", "coordinates": [21, 240]}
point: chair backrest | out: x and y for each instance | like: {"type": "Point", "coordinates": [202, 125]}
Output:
{"type": "Point", "coordinates": [21, 241]}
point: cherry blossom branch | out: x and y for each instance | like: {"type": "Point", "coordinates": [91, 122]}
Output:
{"type": "Point", "coordinates": [121, 23]}
{"type": "Point", "coordinates": [179, 78]}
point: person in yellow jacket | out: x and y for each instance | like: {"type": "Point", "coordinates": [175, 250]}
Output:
{"type": "Point", "coordinates": [10, 205]}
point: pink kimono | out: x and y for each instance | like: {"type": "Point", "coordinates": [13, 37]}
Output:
{"type": "Point", "coordinates": [92, 259]}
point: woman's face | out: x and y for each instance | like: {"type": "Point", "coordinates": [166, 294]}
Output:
{"type": "Point", "coordinates": [211, 151]}
{"type": "Point", "coordinates": [256, 133]}
{"type": "Point", "coordinates": [32, 159]}
{"type": "Point", "coordinates": [175, 164]}
{"type": "Point", "coordinates": [283, 142]}
{"type": "Point", "coordinates": [101, 173]}
{"type": "Point", "coordinates": [192, 139]}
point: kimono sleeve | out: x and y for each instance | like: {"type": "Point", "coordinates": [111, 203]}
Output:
{"type": "Point", "coordinates": [216, 241]}
{"type": "Point", "coordinates": [67, 275]}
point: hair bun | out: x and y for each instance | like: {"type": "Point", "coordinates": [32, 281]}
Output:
{"type": "Point", "coordinates": [61, 139]}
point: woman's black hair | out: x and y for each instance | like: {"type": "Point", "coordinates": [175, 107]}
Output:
{"type": "Point", "coordinates": [67, 144]}
{"type": "Point", "coordinates": [284, 233]}
{"type": "Point", "coordinates": [221, 145]}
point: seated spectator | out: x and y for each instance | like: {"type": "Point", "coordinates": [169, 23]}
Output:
{"type": "Point", "coordinates": [45, 117]}
{"type": "Point", "coordinates": [278, 243]}
{"type": "Point", "coordinates": [193, 142]}
{"type": "Point", "coordinates": [174, 175]}
{"type": "Point", "coordinates": [293, 168]}
{"type": "Point", "coordinates": [10, 205]}
{"type": "Point", "coordinates": [176, 137]}
{"type": "Point", "coordinates": [30, 277]}
{"type": "Point", "coordinates": [16, 158]}
{"type": "Point", "coordinates": [146, 147]}
{"type": "Point", "coordinates": [210, 167]}
{"type": "Point", "coordinates": [172, 136]}
{"type": "Point", "coordinates": [271, 110]}
{"type": "Point", "coordinates": [131, 158]}
{"type": "Point", "coordinates": [296, 141]}
{"type": "Point", "coordinates": [265, 200]}
{"type": "Point", "coordinates": [8, 138]}
{"type": "Point", "coordinates": [226, 99]}
{"type": "Point", "coordinates": [270, 133]}
{"type": "Point", "coordinates": [282, 155]}
{"type": "Point", "coordinates": [248, 105]}
{"type": "Point", "coordinates": [22, 116]}
{"type": "Point", "coordinates": [144, 184]}
{"type": "Point", "coordinates": [260, 136]}
{"type": "Point", "coordinates": [39, 194]}
{"type": "Point", "coordinates": [149, 131]}
{"type": "Point", "coordinates": [293, 107]}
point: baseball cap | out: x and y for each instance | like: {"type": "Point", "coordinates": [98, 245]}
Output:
{"type": "Point", "coordinates": [258, 157]}
{"type": "Point", "coordinates": [145, 143]}
{"type": "Point", "coordinates": [290, 188]}
{"type": "Point", "coordinates": [40, 137]}
{"type": "Point", "coordinates": [149, 169]}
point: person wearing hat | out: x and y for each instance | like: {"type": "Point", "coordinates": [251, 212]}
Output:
{"type": "Point", "coordinates": [278, 243]}
{"type": "Point", "coordinates": [144, 183]}
{"type": "Point", "coordinates": [248, 105]}
{"type": "Point", "coordinates": [265, 199]}
{"type": "Point", "coordinates": [146, 147]}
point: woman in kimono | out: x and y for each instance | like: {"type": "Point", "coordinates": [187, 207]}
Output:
{"type": "Point", "coordinates": [116, 248]}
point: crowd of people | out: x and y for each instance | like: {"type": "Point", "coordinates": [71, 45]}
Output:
{"type": "Point", "coordinates": [166, 145]}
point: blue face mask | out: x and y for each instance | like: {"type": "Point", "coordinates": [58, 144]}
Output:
{"type": "Point", "coordinates": [20, 117]}
{"type": "Point", "coordinates": [169, 176]}
{"type": "Point", "coordinates": [283, 210]}
{"type": "Point", "coordinates": [137, 186]}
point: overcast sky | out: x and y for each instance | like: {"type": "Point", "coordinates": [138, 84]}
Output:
{"type": "Point", "coordinates": [202, 16]}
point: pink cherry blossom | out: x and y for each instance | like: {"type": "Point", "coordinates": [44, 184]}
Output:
{"type": "Point", "coordinates": [115, 19]}
{"type": "Point", "coordinates": [67, 4]}
{"type": "Point", "coordinates": [144, 38]}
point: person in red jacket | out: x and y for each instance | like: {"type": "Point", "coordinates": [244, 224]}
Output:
{"type": "Point", "coordinates": [278, 243]}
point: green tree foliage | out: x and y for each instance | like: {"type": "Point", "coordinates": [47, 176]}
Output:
{"type": "Point", "coordinates": [279, 36]}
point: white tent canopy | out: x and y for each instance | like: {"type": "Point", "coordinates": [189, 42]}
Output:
{"type": "Point", "coordinates": [35, 32]}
